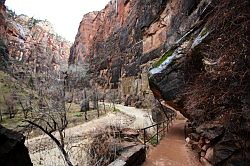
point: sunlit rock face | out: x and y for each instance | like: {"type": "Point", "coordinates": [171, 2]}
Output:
{"type": "Point", "coordinates": [121, 42]}
{"type": "Point", "coordinates": [32, 43]}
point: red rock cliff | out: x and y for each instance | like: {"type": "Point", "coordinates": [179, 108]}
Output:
{"type": "Point", "coordinates": [32, 42]}
{"type": "Point", "coordinates": [121, 41]}
{"type": "Point", "coordinates": [194, 54]}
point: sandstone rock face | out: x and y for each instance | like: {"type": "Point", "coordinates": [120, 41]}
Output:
{"type": "Point", "coordinates": [31, 43]}
{"type": "Point", "coordinates": [12, 149]}
{"type": "Point", "coordinates": [3, 48]}
{"type": "Point", "coordinates": [121, 43]}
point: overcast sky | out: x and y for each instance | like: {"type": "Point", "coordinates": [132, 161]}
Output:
{"type": "Point", "coordinates": [65, 15]}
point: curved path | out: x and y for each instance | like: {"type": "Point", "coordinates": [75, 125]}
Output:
{"type": "Point", "coordinates": [172, 149]}
{"type": "Point", "coordinates": [43, 150]}
{"type": "Point", "coordinates": [142, 117]}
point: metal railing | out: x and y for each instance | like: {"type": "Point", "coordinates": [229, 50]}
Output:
{"type": "Point", "coordinates": [160, 127]}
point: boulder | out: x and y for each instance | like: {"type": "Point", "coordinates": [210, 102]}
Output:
{"type": "Point", "coordinates": [128, 100]}
{"type": "Point", "coordinates": [194, 136]}
{"type": "Point", "coordinates": [202, 154]}
{"type": "Point", "coordinates": [210, 131]}
{"type": "Point", "coordinates": [12, 149]}
{"type": "Point", "coordinates": [205, 162]}
{"type": "Point", "coordinates": [138, 104]}
{"type": "Point", "coordinates": [225, 148]}
{"type": "Point", "coordinates": [209, 154]}
{"type": "Point", "coordinates": [196, 147]}
{"type": "Point", "coordinates": [188, 140]}
{"type": "Point", "coordinates": [131, 157]}
{"type": "Point", "coordinates": [205, 147]}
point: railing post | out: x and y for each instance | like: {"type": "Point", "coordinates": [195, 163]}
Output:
{"type": "Point", "coordinates": [144, 136]}
{"type": "Point", "coordinates": [167, 125]}
{"type": "Point", "coordinates": [185, 131]}
{"type": "Point", "coordinates": [163, 128]}
{"type": "Point", "coordinates": [157, 135]}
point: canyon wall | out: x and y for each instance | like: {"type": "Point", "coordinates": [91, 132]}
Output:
{"type": "Point", "coordinates": [29, 48]}
{"type": "Point", "coordinates": [30, 45]}
{"type": "Point", "coordinates": [205, 75]}
{"type": "Point", "coordinates": [192, 54]}
{"type": "Point", "coordinates": [120, 42]}
{"type": "Point", "coordinates": [31, 56]}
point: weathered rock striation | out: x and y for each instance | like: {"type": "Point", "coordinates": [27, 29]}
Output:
{"type": "Point", "coordinates": [204, 75]}
{"type": "Point", "coordinates": [120, 42]}
{"type": "Point", "coordinates": [194, 54]}
{"type": "Point", "coordinates": [30, 45]}
{"type": "Point", "coordinates": [30, 53]}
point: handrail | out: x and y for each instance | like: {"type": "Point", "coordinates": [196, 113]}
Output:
{"type": "Point", "coordinates": [157, 129]}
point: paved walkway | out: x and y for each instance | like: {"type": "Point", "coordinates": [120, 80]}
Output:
{"type": "Point", "coordinates": [172, 149]}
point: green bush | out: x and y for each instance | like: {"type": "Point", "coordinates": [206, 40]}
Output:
{"type": "Point", "coordinates": [153, 141]}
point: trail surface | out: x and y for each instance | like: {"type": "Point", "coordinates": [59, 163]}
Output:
{"type": "Point", "coordinates": [142, 117]}
{"type": "Point", "coordinates": [43, 150]}
{"type": "Point", "coordinates": [172, 149]}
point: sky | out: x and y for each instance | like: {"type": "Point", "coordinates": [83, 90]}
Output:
{"type": "Point", "coordinates": [65, 15]}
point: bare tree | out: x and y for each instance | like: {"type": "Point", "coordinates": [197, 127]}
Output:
{"type": "Point", "coordinates": [53, 115]}
{"type": "Point", "coordinates": [26, 108]}
{"type": "Point", "coordinates": [85, 104]}
{"type": "Point", "coordinates": [95, 101]}
{"type": "Point", "coordinates": [1, 116]}
{"type": "Point", "coordinates": [113, 97]}
{"type": "Point", "coordinates": [9, 101]}
{"type": "Point", "coordinates": [103, 100]}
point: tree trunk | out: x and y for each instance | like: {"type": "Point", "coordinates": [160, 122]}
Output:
{"type": "Point", "coordinates": [25, 110]}
{"type": "Point", "coordinates": [85, 115]}
{"type": "Point", "coordinates": [59, 145]}
{"type": "Point", "coordinates": [96, 98]}
{"type": "Point", "coordinates": [104, 106]}
{"type": "Point", "coordinates": [85, 105]}
{"type": "Point", "coordinates": [98, 112]}
{"type": "Point", "coordinates": [114, 100]}
{"type": "Point", "coordinates": [1, 116]}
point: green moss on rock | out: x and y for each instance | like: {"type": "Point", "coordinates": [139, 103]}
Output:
{"type": "Point", "coordinates": [204, 32]}
{"type": "Point", "coordinates": [164, 57]}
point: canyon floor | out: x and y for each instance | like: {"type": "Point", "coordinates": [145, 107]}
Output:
{"type": "Point", "coordinates": [44, 152]}
{"type": "Point", "coordinates": [172, 149]}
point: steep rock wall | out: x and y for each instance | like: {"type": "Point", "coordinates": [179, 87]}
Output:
{"type": "Point", "coordinates": [120, 42]}
{"type": "Point", "coordinates": [31, 44]}
{"type": "Point", "coordinates": [205, 76]}
{"type": "Point", "coordinates": [198, 53]}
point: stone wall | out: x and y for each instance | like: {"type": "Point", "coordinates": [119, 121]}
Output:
{"type": "Point", "coordinates": [131, 157]}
